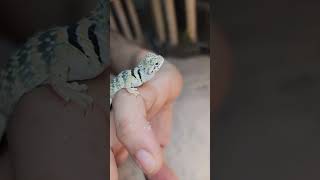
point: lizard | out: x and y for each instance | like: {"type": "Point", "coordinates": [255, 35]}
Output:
{"type": "Point", "coordinates": [131, 79]}
{"type": "Point", "coordinates": [57, 57]}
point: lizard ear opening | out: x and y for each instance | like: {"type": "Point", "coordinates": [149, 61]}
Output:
{"type": "Point", "coordinates": [150, 71]}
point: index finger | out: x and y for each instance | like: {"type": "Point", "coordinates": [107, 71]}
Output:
{"type": "Point", "coordinates": [135, 133]}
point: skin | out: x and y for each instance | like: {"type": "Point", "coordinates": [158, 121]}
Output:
{"type": "Point", "coordinates": [51, 140]}
{"type": "Point", "coordinates": [154, 104]}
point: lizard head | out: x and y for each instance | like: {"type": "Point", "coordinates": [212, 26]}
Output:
{"type": "Point", "coordinates": [151, 64]}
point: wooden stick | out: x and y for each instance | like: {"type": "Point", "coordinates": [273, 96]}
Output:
{"type": "Point", "coordinates": [122, 19]}
{"type": "Point", "coordinates": [191, 16]}
{"type": "Point", "coordinates": [172, 22]}
{"type": "Point", "coordinates": [113, 24]}
{"type": "Point", "coordinates": [158, 19]}
{"type": "Point", "coordinates": [135, 20]}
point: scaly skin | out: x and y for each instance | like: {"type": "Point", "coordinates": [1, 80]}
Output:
{"type": "Point", "coordinates": [131, 79]}
{"type": "Point", "coordinates": [55, 57]}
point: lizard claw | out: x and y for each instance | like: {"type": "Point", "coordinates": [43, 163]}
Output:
{"type": "Point", "coordinates": [73, 92]}
{"type": "Point", "coordinates": [133, 91]}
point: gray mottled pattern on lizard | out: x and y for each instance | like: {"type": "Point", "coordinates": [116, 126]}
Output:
{"type": "Point", "coordinates": [56, 57]}
{"type": "Point", "coordinates": [133, 78]}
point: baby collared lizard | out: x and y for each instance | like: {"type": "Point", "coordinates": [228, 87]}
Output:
{"type": "Point", "coordinates": [133, 78]}
{"type": "Point", "coordinates": [56, 57]}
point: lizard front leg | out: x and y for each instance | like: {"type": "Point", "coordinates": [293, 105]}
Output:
{"type": "Point", "coordinates": [133, 91]}
{"type": "Point", "coordinates": [68, 91]}
{"type": "Point", "coordinates": [131, 84]}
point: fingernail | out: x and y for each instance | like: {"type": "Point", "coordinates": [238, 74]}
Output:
{"type": "Point", "coordinates": [146, 161]}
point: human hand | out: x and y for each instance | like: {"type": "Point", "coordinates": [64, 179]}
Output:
{"type": "Point", "coordinates": [129, 123]}
{"type": "Point", "coordinates": [48, 134]}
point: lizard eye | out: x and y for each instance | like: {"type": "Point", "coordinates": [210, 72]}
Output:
{"type": "Point", "coordinates": [157, 63]}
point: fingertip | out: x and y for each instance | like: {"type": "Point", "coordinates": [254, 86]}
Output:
{"type": "Point", "coordinates": [142, 145]}
{"type": "Point", "coordinates": [121, 156]}
{"type": "Point", "coordinates": [147, 162]}
{"type": "Point", "coordinates": [113, 168]}
{"type": "Point", "coordinates": [164, 173]}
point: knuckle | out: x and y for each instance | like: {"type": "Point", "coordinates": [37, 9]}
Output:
{"type": "Point", "coordinates": [125, 128]}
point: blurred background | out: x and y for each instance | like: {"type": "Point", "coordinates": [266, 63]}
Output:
{"type": "Point", "coordinates": [20, 19]}
{"type": "Point", "coordinates": [267, 117]}
{"type": "Point", "coordinates": [178, 30]}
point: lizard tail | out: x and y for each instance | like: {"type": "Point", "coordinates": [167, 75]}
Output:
{"type": "Point", "coordinates": [3, 124]}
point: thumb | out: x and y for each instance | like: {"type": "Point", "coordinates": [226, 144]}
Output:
{"type": "Point", "coordinates": [135, 133]}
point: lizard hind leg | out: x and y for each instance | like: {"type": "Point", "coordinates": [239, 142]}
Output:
{"type": "Point", "coordinates": [68, 91]}
{"type": "Point", "coordinates": [78, 87]}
